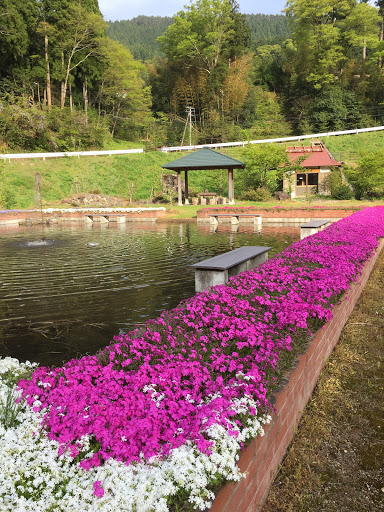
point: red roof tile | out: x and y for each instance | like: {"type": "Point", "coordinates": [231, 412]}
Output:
{"type": "Point", "coordinates": [318, 156]}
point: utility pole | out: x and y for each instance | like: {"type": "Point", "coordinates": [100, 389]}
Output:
{"type": "Point", "coordinates": [190, 112]}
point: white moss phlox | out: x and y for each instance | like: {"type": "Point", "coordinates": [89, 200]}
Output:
{"type": "Point", "coordinates": [34, 479]}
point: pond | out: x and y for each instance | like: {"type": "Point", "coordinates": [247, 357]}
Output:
{"type": "Point", "coordinates": [69, 295]}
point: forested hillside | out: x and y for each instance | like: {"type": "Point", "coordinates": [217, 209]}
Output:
{"type": "Point", "coordinates": [140, 34]}
{"type": "Point", "coordinates": [267, 29]}
{"type": "Point", "coordinates": [220, 75]}
{"type": "Point", "coordinates": [64, 84]}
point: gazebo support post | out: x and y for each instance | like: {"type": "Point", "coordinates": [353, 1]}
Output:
{"type": "Point", "coordinates": [230, 187]}
{"type": "Point", "coordinates": [179, 196]}
{"type": "Point", "coordinates": [204, 159]}
{"type": "Point", "coordinates": [186, 200]}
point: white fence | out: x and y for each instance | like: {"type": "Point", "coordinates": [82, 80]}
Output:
{"type": "Point", "coordinates": [19, 156]}
{"type": "Point", "coordinates": [270, 141]}
{"type": "Point", "coordinates": [166, 149]}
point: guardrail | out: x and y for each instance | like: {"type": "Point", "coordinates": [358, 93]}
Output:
{"type": "Point", "coordinates": [166, 149]}
{"type": "Point", "coordinates": [63, 154]}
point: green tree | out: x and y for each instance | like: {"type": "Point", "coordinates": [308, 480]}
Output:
{"type": "Point", "coordinates": [361, 27]}
{"type": "Point", "coordinates": [265, 166]}
{"type": "Point", "coordinates": [335, 108]}
{"type": "Point", "coordinates": [368, 178]}
{"type": "Point", "coordinates": [198, 34]}
{"type": "Point", "coordinates": [79, 32]}
{"type": "Point", "coordinates": [380, 5]}
{"type": "Point", "coordinates": [262, 114]}
{"type": "Point", "coordinates": [123, 96]}
{"type": "Point", "coordinates": [319, 54]}
{"type": "Point", "coordinates": [18, 19]}
{"type": "Point", "coordinates": [203, 53]}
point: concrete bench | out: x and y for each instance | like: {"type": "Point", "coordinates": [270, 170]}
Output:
{"type": "Point", "coordinates": [105, 217]}
{"type": "Point", "coordinates": [235, 217]}
{"type": "Point", "coordinates": [219, 269]}
{"type": "Point", "coordinates": [312, 227]}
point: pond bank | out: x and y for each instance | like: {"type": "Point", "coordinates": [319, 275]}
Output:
{"type": "Point", "coordinates": [276, 215]}
{"type": "Point", "coordinates": [261, 459]}
{"type": "Point", "coordinates": [83, 215]}
{"type": "Point", "coordinates": [334, 462]}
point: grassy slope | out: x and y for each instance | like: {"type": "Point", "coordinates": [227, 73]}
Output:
{"type": "Point", "coordinates": [349, 148]}
{"type": "Point", "coordinates": [113, 175]}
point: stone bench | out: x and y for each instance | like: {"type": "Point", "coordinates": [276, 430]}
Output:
{"type": "Point", "coordinates": [313, 227]}
{"type": "Point", "coordinates": [105, 217]}
{"type": "Point", "coordinates": [219, 269]}
{"type": "Point", "coordinates": [235, 217]}
{"type": "Point", "coordinates": [211, 196]}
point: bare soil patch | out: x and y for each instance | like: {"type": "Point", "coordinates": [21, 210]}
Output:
{"type": "Point", "coordinates": [335, 461]}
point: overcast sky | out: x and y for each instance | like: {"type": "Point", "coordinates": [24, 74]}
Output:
{"type": "Point", "coordinates": [128, 9]}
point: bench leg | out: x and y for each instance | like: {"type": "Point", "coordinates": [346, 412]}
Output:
{"type": "Point", "coordinates": [214, 221]}
{"type": "Point", "coordinates": [204, 279]}
{"type": "Point", "coordinates": [234, 219]}
{"type": "Point", "coordinates": [258, 260]}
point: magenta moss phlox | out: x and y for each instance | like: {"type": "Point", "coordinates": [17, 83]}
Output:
{"type": "Point", "coordinates": [163, 385]}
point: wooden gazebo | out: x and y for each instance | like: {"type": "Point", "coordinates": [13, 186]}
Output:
{"type": "Point", "coordinates": [201, 160]}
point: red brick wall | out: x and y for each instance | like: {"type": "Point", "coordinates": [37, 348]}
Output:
{"type": "Point", "coordinates": [262, 457]}
{"type": "Point", "coordinates": [15, 216]}
{"type": "Point", "coordinates": [278, 213]}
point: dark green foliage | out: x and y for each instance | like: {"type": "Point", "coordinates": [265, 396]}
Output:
{"type": "Point", "coordinates": [264, 165]}
{"type": "Point", "coordinates": [54, 53]}
{"type": "Point", "coordinates": [334, 109]}
{"type": "Point", "coordinates": [31, 129]}
{"type": "Point", "coordinates": [368, 178]}
{"type": "Point", "coordinates": [317, 69]}
{"type": "Point", "coordinates": [342, 192]}
{"type": "Point", "coordinates": [260, 194]}
{"type": "Point", "coordinates": [267, 29]}
{"type": "Point", "coordinates": [140, 34]}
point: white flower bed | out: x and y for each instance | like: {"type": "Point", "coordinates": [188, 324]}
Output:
{"type": "Point", "coordinates": [34, 478]}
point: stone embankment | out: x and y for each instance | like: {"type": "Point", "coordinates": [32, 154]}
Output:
{"type": "Point", "coordinates": [78, 215]}
{"type": "Point", "coordinates": [280, 215]}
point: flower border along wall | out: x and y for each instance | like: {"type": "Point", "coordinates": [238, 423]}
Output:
{"type": "Point", "coordinates": [160, 416]}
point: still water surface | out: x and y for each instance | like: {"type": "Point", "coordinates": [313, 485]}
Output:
{"type": "Point", "coordinates": [70, 296]}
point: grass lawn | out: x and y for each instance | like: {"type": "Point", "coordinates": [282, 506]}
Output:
{"type": "Point", "coordinates": [141, 174]}
{"type": "Point", "coordinates": [190, 211]}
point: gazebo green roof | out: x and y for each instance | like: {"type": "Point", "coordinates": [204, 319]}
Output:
{"type": "Point", "coordinates": [204, 159]}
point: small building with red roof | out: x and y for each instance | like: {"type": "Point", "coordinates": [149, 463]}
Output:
{"type": "Point", "coordinates": [317, 163]}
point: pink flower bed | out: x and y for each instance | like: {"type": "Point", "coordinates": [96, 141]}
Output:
{"type": "Point", "coordinates": [163, 385]}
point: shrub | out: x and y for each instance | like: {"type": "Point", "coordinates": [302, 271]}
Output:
{"type": "Point", "coordinates": [56, 130]}
{"type": "Point", "coordinates": [342, 192]}
{"type": "Point", "coordinates": [260, 194]}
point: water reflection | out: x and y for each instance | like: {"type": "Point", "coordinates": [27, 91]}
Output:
{"type": "Point", "coordinates": [68, 298]}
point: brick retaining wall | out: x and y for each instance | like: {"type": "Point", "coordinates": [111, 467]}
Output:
{"type": "Point", "coordinates": [279, 215]}
{"type": "Point", "coordinates": [17, 216]}
{"type": "Point", "coordinates": [262, 457]}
